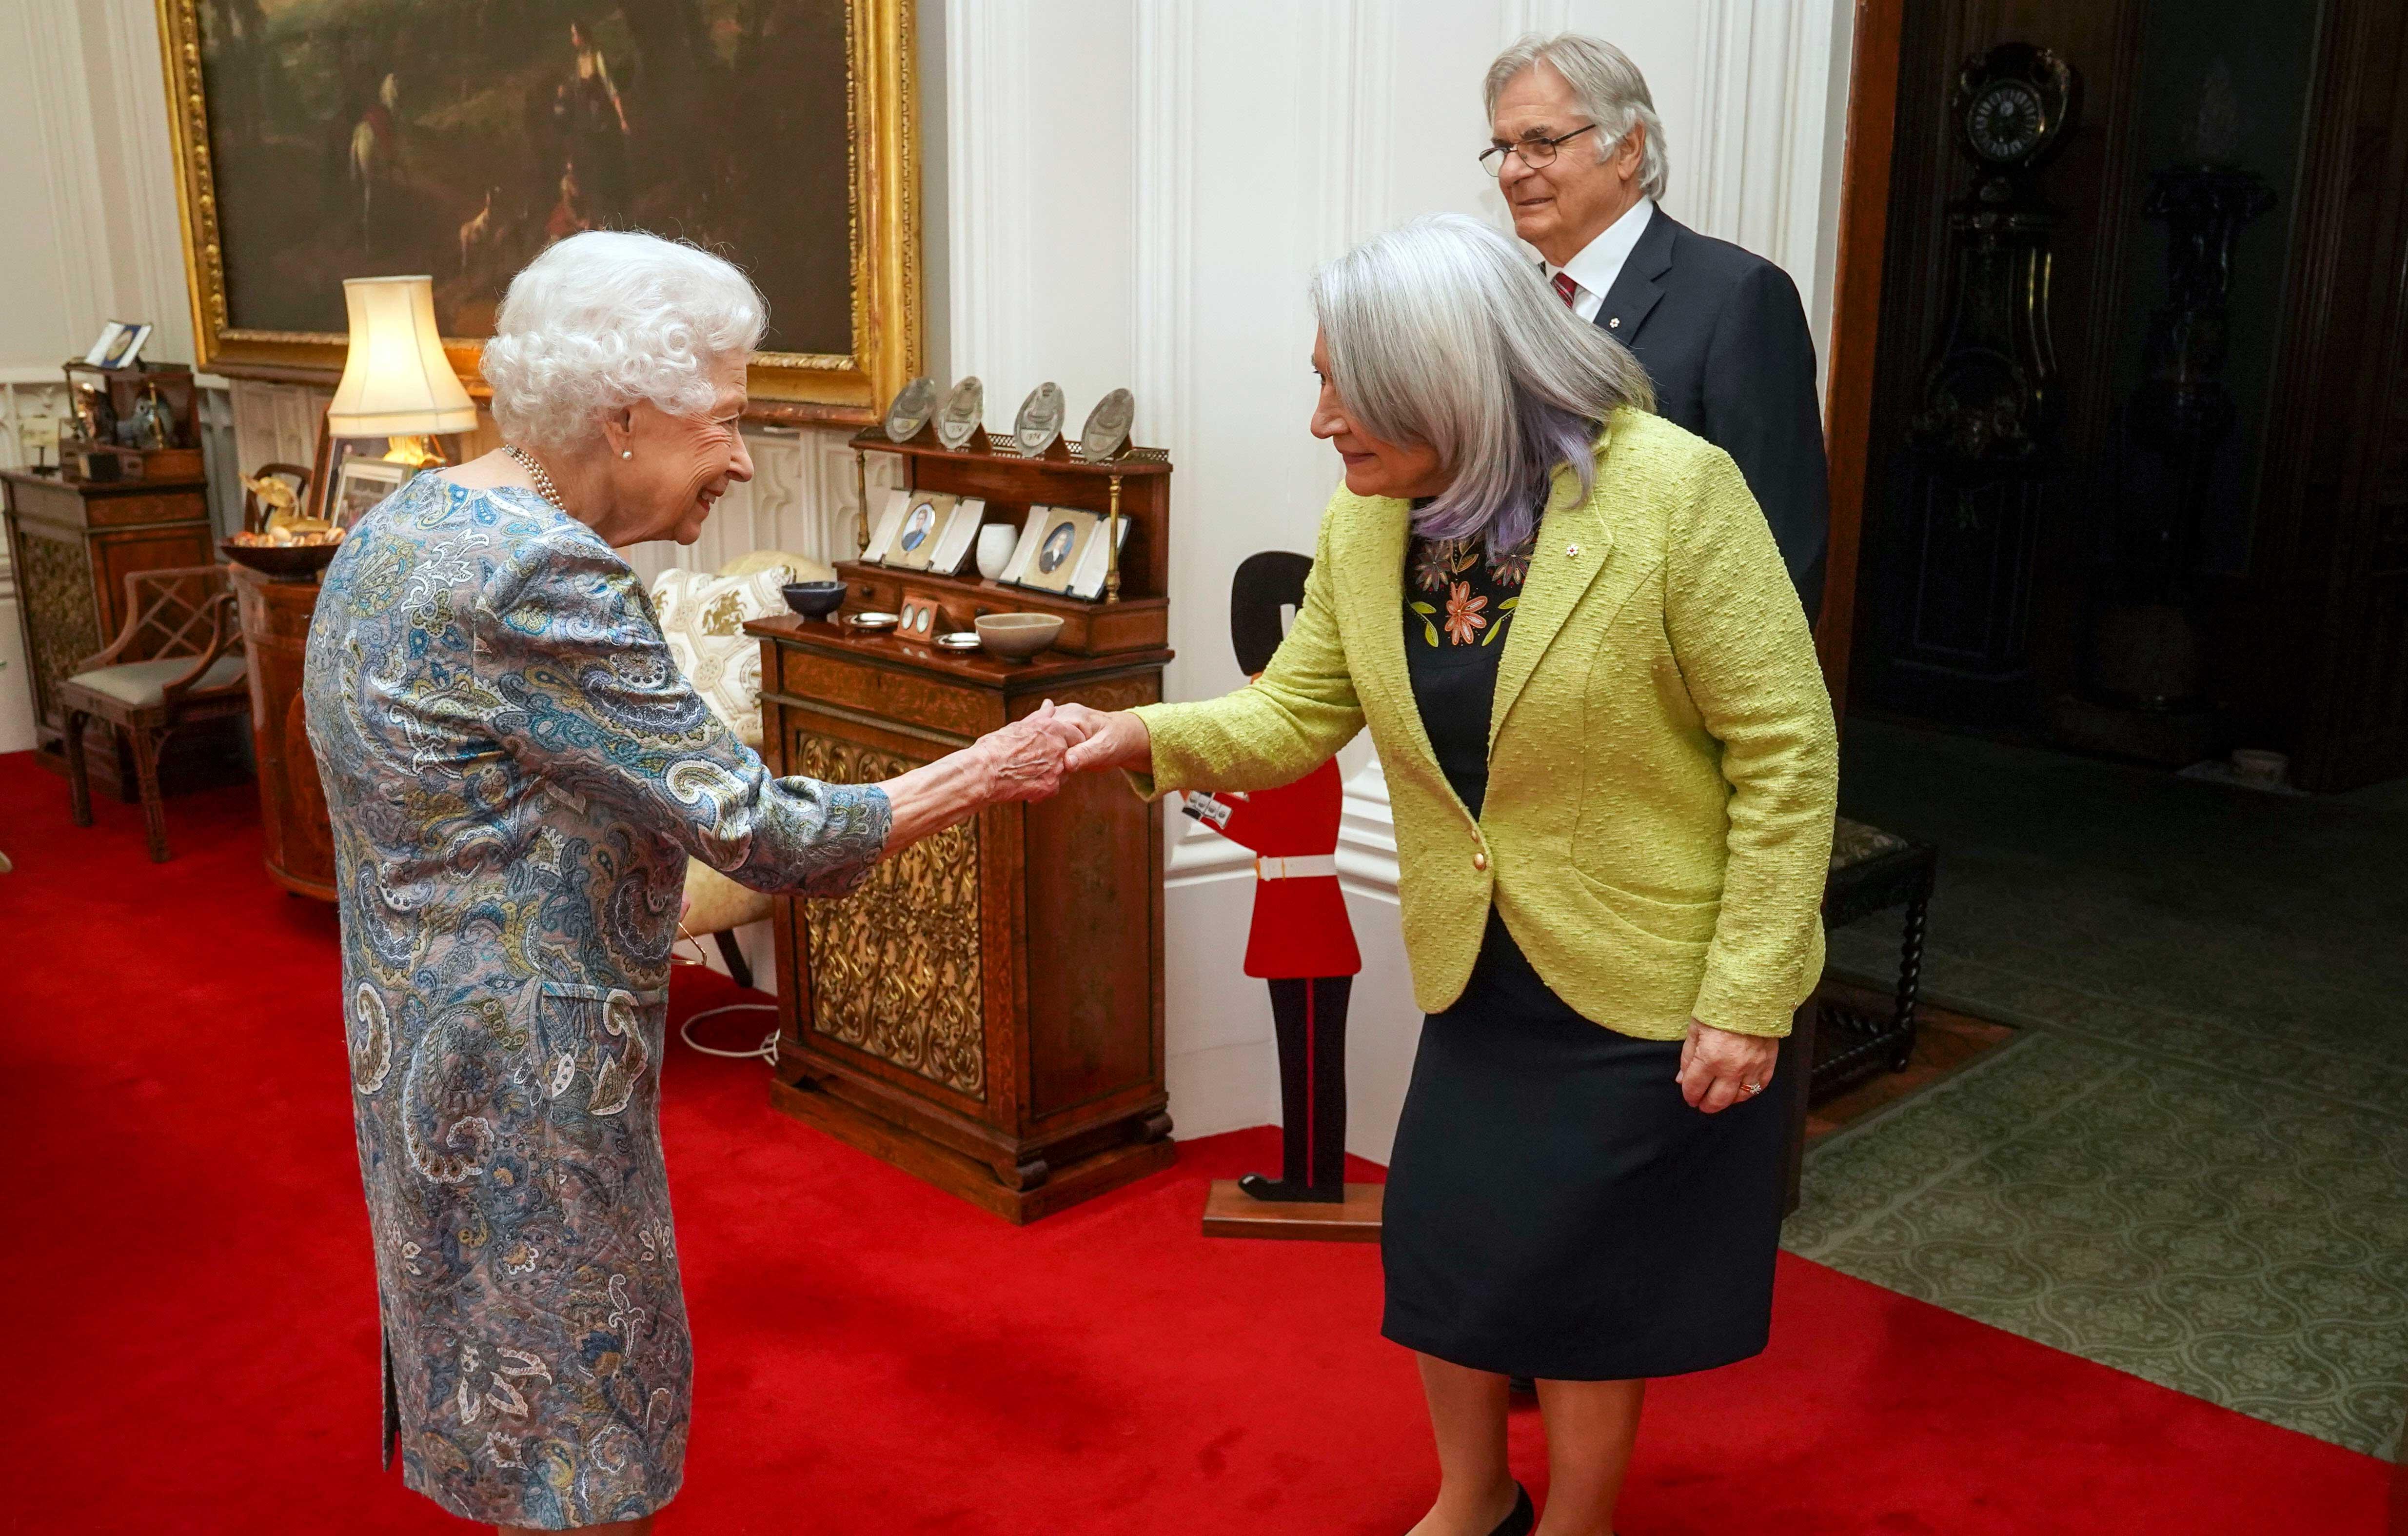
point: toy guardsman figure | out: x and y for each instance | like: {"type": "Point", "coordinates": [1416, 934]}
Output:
{"type": "Point", "coordinates": [1301, 941]}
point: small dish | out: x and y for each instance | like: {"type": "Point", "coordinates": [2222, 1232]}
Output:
{"type": "Point", "coordinates": [875, 621]}
{"type": "Point", "coordinates": [1017, 636]}
{"type": "Point", "coordinates": [960, 639]}
{"type": "Point", "coordinates": [813, 599]}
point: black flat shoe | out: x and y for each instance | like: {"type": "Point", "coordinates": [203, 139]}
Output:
{"type": "Point", "coordinates": [1524, 1515]}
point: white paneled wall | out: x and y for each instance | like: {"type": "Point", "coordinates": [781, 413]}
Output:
{"type": "Point", "coordinates": [1128, 191]}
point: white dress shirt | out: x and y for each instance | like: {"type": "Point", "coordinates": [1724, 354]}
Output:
{"type": "Point", "coordinates": [1600, 262]}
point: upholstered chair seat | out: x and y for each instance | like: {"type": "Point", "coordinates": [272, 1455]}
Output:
{"type": "Point", "coordinates": [703, 617]}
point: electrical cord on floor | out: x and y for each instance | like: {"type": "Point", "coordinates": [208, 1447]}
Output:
{"type": "Point", "coordinates": [765, 1051]}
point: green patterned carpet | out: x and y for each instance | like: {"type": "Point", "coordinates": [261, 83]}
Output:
{"type": "Point", "coordinates": [2193, 1165]}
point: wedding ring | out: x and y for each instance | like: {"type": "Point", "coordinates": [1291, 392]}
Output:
{"type": "Point", "coordinates": [1751, 1087]}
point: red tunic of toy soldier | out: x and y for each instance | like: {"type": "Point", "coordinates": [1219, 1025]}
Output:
{"type": "Point", "coordinates": [1301, 941]}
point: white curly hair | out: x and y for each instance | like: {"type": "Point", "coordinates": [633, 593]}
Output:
{"type": "Point", "coordinates": [608, 318]}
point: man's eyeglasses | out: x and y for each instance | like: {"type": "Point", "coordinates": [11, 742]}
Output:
{"type": "Point", "coordinates": [1537, 153]}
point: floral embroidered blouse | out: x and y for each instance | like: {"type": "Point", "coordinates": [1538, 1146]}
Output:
{"type": "Point", "coordinates": [1459, 602]}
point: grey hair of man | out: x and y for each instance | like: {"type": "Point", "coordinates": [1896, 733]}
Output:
{"type": "Point", "coordinates": [1608, 86]}
{"type": "Point", "coordinates": [1442, 332]}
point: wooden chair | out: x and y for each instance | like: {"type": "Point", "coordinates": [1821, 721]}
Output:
{"type": "Point", "coordinates": [182, 629]}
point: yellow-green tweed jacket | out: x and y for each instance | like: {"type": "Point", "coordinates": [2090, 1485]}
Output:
{"type": "Point", "coordinates": [1662, 763]}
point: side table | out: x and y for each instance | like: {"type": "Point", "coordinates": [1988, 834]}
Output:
{"type": "Point", "coordinates": [276, 612]}
{"type": "Point", "coordinates": [1872, 870]}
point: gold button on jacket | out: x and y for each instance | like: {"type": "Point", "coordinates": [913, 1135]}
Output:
{"type": "Point", "coordinates": [1662, 765]}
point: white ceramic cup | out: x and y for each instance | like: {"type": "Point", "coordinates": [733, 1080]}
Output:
{"type": "Point", "coordinates": [996, 542]}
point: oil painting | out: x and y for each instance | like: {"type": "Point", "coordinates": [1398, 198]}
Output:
{"type": "Point", "coordinates": [459, 137]}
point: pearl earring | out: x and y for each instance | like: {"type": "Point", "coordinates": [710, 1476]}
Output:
{"type": "Point", "coordinates": [626, 452]}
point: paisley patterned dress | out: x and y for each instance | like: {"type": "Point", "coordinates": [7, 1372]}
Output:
{"type": "Point", "coordinates": [517, 773]}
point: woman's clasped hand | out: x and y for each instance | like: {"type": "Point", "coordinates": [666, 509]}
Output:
{"type": "Point", "coordinates": [1025, 759]}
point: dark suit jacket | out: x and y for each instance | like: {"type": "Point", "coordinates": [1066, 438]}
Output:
{"type": "Point", "coordinates": [1723, 337]}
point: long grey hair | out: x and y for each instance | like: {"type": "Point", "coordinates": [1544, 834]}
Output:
{"type": "Point", "coordinates": [1442, 332]}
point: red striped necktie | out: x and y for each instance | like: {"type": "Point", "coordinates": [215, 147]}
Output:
{"type": "Point", "coordinates": [1567, 288]}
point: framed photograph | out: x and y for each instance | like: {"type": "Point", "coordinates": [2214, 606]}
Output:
{"type": "Point", "coordinates": [126, 351]}
{"type": "Point", "coordinates": [360, 485]}
{"type": "Point", "coordinates": [111, 335]}
{"type": "Point", "coordinates": [916, 538]}
{"type": "Point", "coordinates": [960, 531]}
{"type": "Point", "coordinates": [1054, 560]}
{"type": "Point", "coordinates": [888, 523]}
{"type": "Point", "coordinates": [1095, 562]}
{"type": "Point", "coordinates": [323, 140]}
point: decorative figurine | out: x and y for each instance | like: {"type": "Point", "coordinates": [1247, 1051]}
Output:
{"type": "Point", "coordinates": [1301, 941]}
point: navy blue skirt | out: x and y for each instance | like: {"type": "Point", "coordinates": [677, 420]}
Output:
{"type": "Point", "coordinates": [1556, 1209]}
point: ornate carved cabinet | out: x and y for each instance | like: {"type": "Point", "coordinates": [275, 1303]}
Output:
{"type": "Point", "coordinates": [276, 612]}
{"type": "Point", "coordinates": [986, 1011]}
{"type": "Point", "coordinates": [72, 543]}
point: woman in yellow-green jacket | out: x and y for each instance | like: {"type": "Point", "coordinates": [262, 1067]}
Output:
{"type": "Point", "coordinates": [1611, 761]}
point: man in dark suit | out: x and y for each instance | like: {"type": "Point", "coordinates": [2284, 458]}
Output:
{"type": "Point", "coordinates": [1577, 153]}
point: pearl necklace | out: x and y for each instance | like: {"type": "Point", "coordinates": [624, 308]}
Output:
{"type": "Point", "coordinates": [543, 485]}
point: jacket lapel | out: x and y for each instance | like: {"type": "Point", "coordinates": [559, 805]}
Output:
{"type": "Point", "coordinates": [1572, 550]}
{"type": "Point", "coordinates": [1635, 293]}
{"type": "Point", "coordinates": [1370, 555]}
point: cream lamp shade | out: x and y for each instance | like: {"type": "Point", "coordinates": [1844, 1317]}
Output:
{"type": "Point", "coordinates": [396, 382]}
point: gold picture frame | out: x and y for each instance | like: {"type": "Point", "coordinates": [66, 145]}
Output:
{"type": "Point", "coordinates": [849, 387]}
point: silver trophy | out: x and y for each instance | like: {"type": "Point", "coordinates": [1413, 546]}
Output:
{"type": "Point", "coordinates": [964, 411]}
{"type": "Point", "coordinates": [910, 411]}
{"type": "Point", "coordinates": [1040, 419]}
{"type": "Point", "coordinates": [1108, 426]}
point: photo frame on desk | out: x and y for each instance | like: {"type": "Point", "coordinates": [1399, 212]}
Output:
{"type": "Point", "coordinates": [1095, 562]}
{"type": "Point", "coordinates": [916, 536]}
{"type": "Point", "coordinates": [119, 345]}
{"type": "Point", "coordinates": [1061, 542]}
{"type": "Point", "coordinates": [360, 485]}
{"type": "Point", "coordinates": [956, 534]}
{"type": "Point", "coordinates": [890, 522]}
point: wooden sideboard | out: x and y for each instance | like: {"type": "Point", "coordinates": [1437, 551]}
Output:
{"type": "Point", "coordinates": [986, 1011]}
{"type": "Point", "coordinates": [276, 612]}
{"type": "Point", "coordinates": [72, 543]}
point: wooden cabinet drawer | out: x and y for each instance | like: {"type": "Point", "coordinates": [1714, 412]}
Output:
{"type": "Point", "coordinates": [915, 698]}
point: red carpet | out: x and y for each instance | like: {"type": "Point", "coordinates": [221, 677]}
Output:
{"type": "Point", "coordinates": [190, 1316]}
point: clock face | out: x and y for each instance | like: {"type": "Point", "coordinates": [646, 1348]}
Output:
{"type": "Point", "coordinates": [2006, 122]}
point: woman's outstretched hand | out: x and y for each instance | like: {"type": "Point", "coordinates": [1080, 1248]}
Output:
{"type": "Point", "coordinates": [1720, 1068]}
{"type": "Point", "coordinates": [1024, 760]}
{"type": "Point", "coordinates": [1106, 741]}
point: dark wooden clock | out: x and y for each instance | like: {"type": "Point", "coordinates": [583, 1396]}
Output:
{"type": "Point", "coordinates": [2013, 106]}
{"type": "Point", "coordinates": [1983, 443]}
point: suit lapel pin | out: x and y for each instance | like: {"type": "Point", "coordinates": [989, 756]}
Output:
{"type": "Point", "coordinates": [1613, 322]}
{"type": "Point", "coordinates": [1571, 552]}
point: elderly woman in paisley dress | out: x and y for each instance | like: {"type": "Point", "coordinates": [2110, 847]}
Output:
{"type": "Point", "coordinates": [516, 775]}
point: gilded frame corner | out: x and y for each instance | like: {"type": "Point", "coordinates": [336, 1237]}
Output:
{"type": "Point", "coordinates": [881, 80]}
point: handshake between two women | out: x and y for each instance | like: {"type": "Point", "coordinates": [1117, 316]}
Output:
{"type": "Point", "coordinates": [1026, 760]}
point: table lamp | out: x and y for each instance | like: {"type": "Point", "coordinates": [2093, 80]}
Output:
{"type": "Point", "coordinates": [396, 382]}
